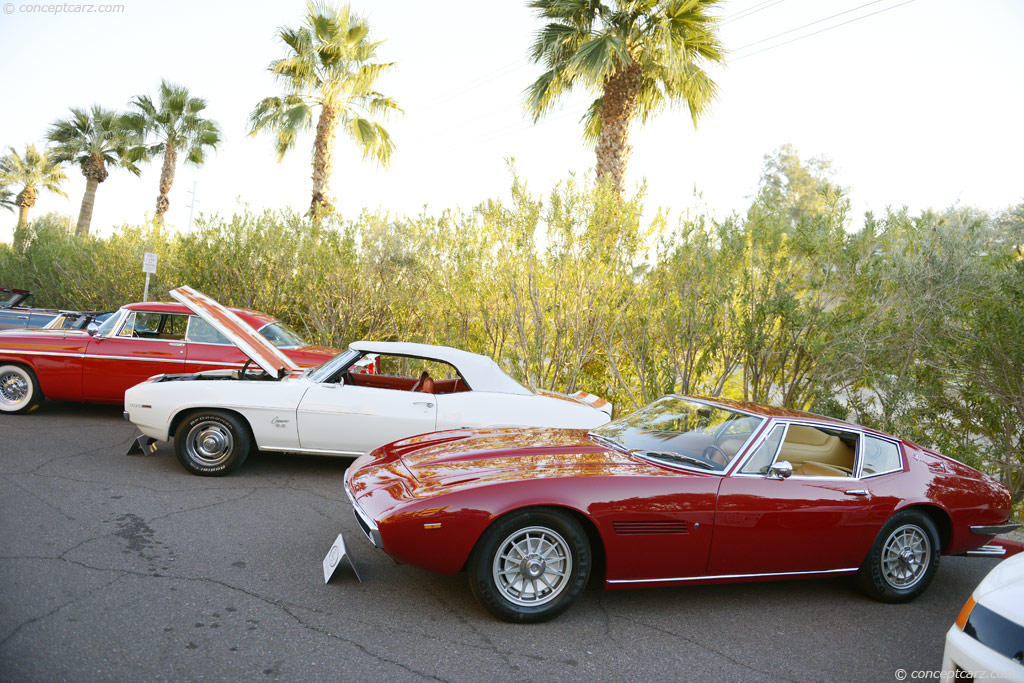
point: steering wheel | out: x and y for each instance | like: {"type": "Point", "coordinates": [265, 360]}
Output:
{"type": "Point", "coordinates": [716, 455]}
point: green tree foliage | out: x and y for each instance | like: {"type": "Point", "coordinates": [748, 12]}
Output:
{"type": "Point", "coordinates": [94, 139]}
{"type": "Point", "coordinates": [34, 170]}
{"type": "Point", "coordinates": [331, 65]}
{"type": "Point", "coordinates": [911, 324]}
{"type": "Point", "coordinates": [637, 57]}
{"type": "Point", "coordinates": [172, 124]}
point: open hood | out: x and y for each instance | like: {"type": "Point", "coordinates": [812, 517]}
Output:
{"type": "Point", "coordinates": [251, 342]}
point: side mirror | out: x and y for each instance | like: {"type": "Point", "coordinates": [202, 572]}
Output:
{"type": "Point", "coordinates": [782, 469]}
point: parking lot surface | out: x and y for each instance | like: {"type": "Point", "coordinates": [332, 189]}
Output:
{"type": "Point", "coordinates": [116, 568]}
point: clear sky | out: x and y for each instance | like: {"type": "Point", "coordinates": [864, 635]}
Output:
{"type": "Point", "coordinates": [918, 103]}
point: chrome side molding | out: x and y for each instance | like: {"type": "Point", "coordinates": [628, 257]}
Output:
{"type": "Point", "coordinates": [987, 551]}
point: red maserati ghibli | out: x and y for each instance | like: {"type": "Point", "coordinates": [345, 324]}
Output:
{"type": "Point", "coordinates": [683, 491]}
{"type": "Point", "coordinates": [132, 345]}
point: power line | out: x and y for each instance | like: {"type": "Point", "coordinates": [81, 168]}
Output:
{"type": "Point", "coordinates": [828, 28]}
{"type": "Point", "coordinates": [476, 83]}
{"type": "Point", "coordinates": [750, 11]}
{"type": "Point", "coordinates": [798, 28]}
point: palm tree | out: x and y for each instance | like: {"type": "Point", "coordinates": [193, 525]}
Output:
{"type": "Point", "coordinates": [34, 170]}
{"type": "Point", "coordinates": [331, 64]}
{"type": "Point", "coordinates": [92, 139]}
{"type": "Point", "coordinates": [177, 124]}
{"type": "Point", "coordinates": [637, 56]}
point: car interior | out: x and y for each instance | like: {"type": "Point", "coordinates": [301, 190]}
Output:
{"type": "Point", "coordinates": [402, 373]}
{"type": "Point", "coordinates": [816, 452]}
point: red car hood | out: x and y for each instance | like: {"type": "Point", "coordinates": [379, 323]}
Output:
{"type": "Point", "coordinates": [472, 457]}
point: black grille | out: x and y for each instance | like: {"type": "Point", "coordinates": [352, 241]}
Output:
{"type": "Point", "coordinates": [651, 527]}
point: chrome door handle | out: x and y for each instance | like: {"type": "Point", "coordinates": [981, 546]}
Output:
{"type": "Point", "coordinates": [423, 403]}
{"type": "Point", "coordinates": [857, 492]}
{"type": "Point", "coordinates": [177, 343]}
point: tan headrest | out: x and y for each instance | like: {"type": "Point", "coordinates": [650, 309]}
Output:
{"type": "Point", "coordinates": [809, 436]}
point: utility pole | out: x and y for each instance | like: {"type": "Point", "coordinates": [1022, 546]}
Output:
{"type": "Point", "coordinates": [192, 206]}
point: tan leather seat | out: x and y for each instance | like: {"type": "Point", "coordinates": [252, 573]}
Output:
{"type": "Point", "coordinates": [809, 445]}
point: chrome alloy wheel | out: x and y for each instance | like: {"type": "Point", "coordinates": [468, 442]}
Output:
{"type": "Point", "coordinates": [14, 387]}
{"type": "Point", "coordinates": [532, 566]}
{"type": "Point", "coordinates": [905, 556]}
{"type": "Point", "coordinates": [209, 442]}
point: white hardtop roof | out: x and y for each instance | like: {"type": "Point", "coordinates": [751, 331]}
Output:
{"type": "Point", "coordinates": [480, 372]}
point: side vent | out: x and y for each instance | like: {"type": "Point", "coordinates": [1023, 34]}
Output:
{"type": "Point", "coordinates": [650, 527]}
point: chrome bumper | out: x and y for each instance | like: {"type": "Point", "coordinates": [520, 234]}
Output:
{"type": "Point", "coordinates": [995, 529]}
{"type": "Point", "coordinates": [987, 551]}
{"type": "Point", "coordinates": [365, 522]}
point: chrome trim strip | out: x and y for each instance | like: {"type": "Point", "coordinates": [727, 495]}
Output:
{"type": "Point", "coordinates": [213, 362]}
{"type": "Point", "coordinates": [140, 358]}
{"type": "Point", "coordinates": [733, 576]}
{"type": "Point", "coordinates": [313, 451]}
{"type": "Point", "coordinates": [366, 524]}
{"type": "Point", "coordinates": [995, 529]}
{"type": "Point", "coordinates": [987, 551]}
{"type": "Point", "coordinates": [93, 355]}
{"type": "Point", "coordinates": [43, 353]}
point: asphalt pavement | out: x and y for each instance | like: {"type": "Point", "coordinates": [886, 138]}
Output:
{"type": "Point", "coordinates": [117, 568]}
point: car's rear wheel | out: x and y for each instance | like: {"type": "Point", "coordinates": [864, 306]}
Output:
{"type": "Point", "coordinates": [903, 559]}
{"type": "Point", "coordinates": [530, 566]}
{"type": "Point", "coordinates": [19, 389]}
{"type": "Point", "coordinates": [212, 443]}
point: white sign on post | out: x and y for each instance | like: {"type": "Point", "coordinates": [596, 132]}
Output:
{"type": "Point", "coordinates": [148, 266]}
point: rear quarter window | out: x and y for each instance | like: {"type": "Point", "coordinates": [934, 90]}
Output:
{"type": "Point", "coordinates": [880, 456]}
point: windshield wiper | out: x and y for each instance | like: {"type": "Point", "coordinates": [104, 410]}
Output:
{"type": "Point", "coordinates": [605, 441]}
{"type": "Point", "coordinates": [678, 457]}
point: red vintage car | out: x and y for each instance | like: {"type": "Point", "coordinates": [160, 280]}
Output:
{"type": "Point", "coordinates": [684, 491]}
{"type": "Point", "coordinates": [137, 342]}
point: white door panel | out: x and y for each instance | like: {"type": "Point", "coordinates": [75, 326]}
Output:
{"type": "Point", "coordinates": [352, 419]}
{"type": "Point", "coordinates": [484, 409]}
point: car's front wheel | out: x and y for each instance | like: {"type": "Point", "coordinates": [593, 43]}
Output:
{"type": "Point", "coordinates": [212, 443]}
{"type": "Point", "coordinates": [530, 566]}
{"type": "Point", "coordinates": [19, 389]}
{"type": "Point", "coordinates": [903, 559]}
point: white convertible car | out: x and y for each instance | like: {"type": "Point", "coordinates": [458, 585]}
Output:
{"type": "Point", "coordinates": [374, 393]}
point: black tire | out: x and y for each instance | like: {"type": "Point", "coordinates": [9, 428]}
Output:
{"type": "Point", "coordinates": [19, 389]}
{"type": "Point", "coordinates": [212, 443]}
{"type": "Point", "coordinates": [903, 559]}
{"type": "Point", "coordinates": [530, 566]}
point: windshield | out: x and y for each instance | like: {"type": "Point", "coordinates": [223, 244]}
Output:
{"type": "Point", "coordinates": [683, 432]}
{"type": "Point", "coordinates": [323, 372]}
{"type": "Point", "coordinates": [281, 336]}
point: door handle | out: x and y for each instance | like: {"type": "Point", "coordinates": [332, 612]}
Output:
{"type": "Point", "coordinates": [857, 492]}
{"type": "Point", "coordinates": [423, 403]}
{"type": "Point", "coordinates": [177, 343]}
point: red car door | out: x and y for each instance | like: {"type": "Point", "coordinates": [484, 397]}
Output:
{"type": "Point", "coordinates": [803, 523]}
{"type": "Point", "coordinates": [147, 344]}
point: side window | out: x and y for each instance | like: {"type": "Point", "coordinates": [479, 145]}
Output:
{"type": "Point", "coordinates": [202, 332]}
{"type": "Point", "coordinates": [412, 368]}
{"type": "Point", "coordinates": [819, 451]}
{"type": "Point", "coordinates": [763, 457]}
{"type": "Point", "coordinates": [880, 456]}
{"type": "Point", "coordinates": [402, 373]}
{"type": "Point", "coordinates": [146, 325]}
